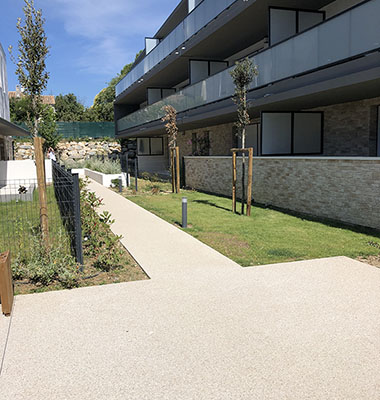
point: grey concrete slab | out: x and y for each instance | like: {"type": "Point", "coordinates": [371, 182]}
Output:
{"type": "Point", "coordinates": [203, 329]}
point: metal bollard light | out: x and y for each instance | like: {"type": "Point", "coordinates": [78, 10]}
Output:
{"type": "Point", "coordinates": [184, 212]}
{"type": "Point", "coordinates": [120, 184]}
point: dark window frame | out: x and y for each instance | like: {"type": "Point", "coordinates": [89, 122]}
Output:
{"type": "Point", "coordinates": [162, 96]}
{"type": "Point", "coordinates": [150, 147]}
{"type": "Point", "coordinates": [208, 66]}
{"type": "Point", "coordinates": [292, 153]}
{"type": "Point", "coordinates": [297, 10]}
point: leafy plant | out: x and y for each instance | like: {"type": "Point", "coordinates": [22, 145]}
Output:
{"type": "Point", "coordinates": [44, 266]}
{"type": "Point", "coordinates": [98, 240]}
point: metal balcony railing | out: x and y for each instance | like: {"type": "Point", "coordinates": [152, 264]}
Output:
{"type": "Point", "coordinates": [194, 22]}
{"type": "Point", "coordinates": [350, 34]}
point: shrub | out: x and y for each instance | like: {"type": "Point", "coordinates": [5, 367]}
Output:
{"type": "Point", "coordinates": [46, 265]}
{"type": "Point", "coordinates": [98, 240]}
{"type": "Point", "coordinates": [103, 166]}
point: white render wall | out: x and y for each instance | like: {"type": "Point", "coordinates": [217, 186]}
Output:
{"type": "Point", "coordinates": [22, 170]}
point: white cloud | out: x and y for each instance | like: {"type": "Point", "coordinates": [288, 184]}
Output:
{"type": "Point", "coordinates": [112, 30]}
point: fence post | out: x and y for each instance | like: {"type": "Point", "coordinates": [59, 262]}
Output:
{"type": "Point", "coordinates": [77, 221]}
{"type": "Point", "coordinates": [6, 284]}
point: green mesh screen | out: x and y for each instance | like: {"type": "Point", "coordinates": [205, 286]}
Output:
{"type": "Point", "coordinates": [86, 129]}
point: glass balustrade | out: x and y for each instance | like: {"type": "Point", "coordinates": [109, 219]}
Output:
{"type": "Point", "coordinates": [194, 22]}
{"type": "Point", "coordinates": [347, 35]}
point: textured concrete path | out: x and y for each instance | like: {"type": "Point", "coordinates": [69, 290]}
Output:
{"type": "Point", "coordinates": [201, 328]}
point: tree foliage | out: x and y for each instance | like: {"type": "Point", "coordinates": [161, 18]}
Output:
{"type": "Point", "coordinates": [242, 76]}
{"type": "Point", "coordinates": [171, 124]}
{"type": "Point", "coordinates": [31, 61]}
{"type": "Point", "coordinates": [102, 109]}
{"type": "Point", "coordinates": [68, 108]}
{"type": "Point", "coordinates": [48, 128]}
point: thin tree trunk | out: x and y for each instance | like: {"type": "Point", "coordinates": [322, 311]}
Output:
{"type": "Point", "coordinates": [243, 172]}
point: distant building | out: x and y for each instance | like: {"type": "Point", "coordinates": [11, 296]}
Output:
{"type": "Point", "coordinates": [7, 129]}
{"type": "Point", "coordinates": [19, 93]}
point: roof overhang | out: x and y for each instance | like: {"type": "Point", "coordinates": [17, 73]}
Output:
{"type": "Point", "coordinates": [9, 129]}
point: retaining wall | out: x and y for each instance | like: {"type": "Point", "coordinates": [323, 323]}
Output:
{"type": "Point", "coordinates": [344, 189]}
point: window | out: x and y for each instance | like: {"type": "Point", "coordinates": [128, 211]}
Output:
{"type": "Point", "coordinates": [285, 22]}
{"type": "Point", "coordinates": [202, 69]}
{"type": "Point", "coordinates": [252, 138]}
{"type": "Point", "coordinates": [157, 94]}
{"type": "Point", "coordinates": [291, 133]}
{"type": "Point", "coordinates": [150, 146]}
{"type": "Point", "coordinates": [201, 143]}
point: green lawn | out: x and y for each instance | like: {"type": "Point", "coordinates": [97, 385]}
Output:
{"type": "Point", "coordinates": [267, 236]}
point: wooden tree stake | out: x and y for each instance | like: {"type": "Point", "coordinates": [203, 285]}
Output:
{"type": "Point", "coordinates": [178, 188]}
{"type": "Point", "coordinates": [6, 284]}
{"type": "Point", "coordinates": [41, 179]}
{"type": "Point", "coordinates": [175, 169]}
{"type": "Point", "coordinates": [172, 168]}
{"type": "Point", "coordinates": [250, 177]}
{"type": "Point", "coordinates": [234, 178]}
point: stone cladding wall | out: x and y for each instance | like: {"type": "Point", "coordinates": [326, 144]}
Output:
{"type": "Point", "coordinates": [75, 150]}
{"type": "Point", "coordinates": [343, 189]}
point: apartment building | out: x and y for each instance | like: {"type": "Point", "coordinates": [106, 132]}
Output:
{"type": "Point", "coordinates": [316, 97]}
{"type": "Point", "coordinates": [7, 129]}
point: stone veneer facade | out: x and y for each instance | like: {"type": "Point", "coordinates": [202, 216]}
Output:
{"type": "Point", "coordinates": [75, 150]}
{"type": "Point", "coordinates": [345, 189]}
{"type": "Point", "coordinates": [221, 139]}
{"type": "Point", "coordinates": [350, 129]}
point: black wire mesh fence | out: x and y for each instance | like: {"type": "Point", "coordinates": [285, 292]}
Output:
{"type": "Point", "coordinates": [20, 226]}
{"type": "Point", "coordinates": [67, 195]}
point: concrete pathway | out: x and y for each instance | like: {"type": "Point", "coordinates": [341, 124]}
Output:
{"type": "Point", "coordinates": [201, 328]}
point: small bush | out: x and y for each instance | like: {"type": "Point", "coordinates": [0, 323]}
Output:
{"type": "Point", "coordinates": [46, 265]}
{"type": "Point", "coordinates": [99, 242]}
{"type": "Point", "coordinates": [103, 166]}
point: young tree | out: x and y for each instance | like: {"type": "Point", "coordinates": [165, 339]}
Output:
{"type": "Point", "coordinates": [172, 130]}
{"type": "Point", "coordinates": [31, 61]}
{"type": "Point", "coordinates": [242, 76]}
{"type": "Point", "coordinates": [171, 124]}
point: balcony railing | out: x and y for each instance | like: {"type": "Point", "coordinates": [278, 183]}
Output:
{"type": "Point", "coordinates": [350, 34]}
{"type": "Point", "coordinates": [194, 22]}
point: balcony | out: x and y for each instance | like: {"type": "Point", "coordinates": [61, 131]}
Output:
{"type": "Point", "coordinates": [193, 23]}
{"type": "Point", "coordinates": [350, 34]}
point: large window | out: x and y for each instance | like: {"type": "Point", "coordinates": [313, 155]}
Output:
{"type": "Point", "coordinates": [150, 146]}
{"type": "Point", "coordinates": [291, 133]}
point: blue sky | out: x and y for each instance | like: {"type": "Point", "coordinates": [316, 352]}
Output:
{"type": "Point", "coordinates": [90, 40]}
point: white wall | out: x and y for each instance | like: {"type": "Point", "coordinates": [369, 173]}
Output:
{"type": "Point", "coordinates": [22, 170]}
